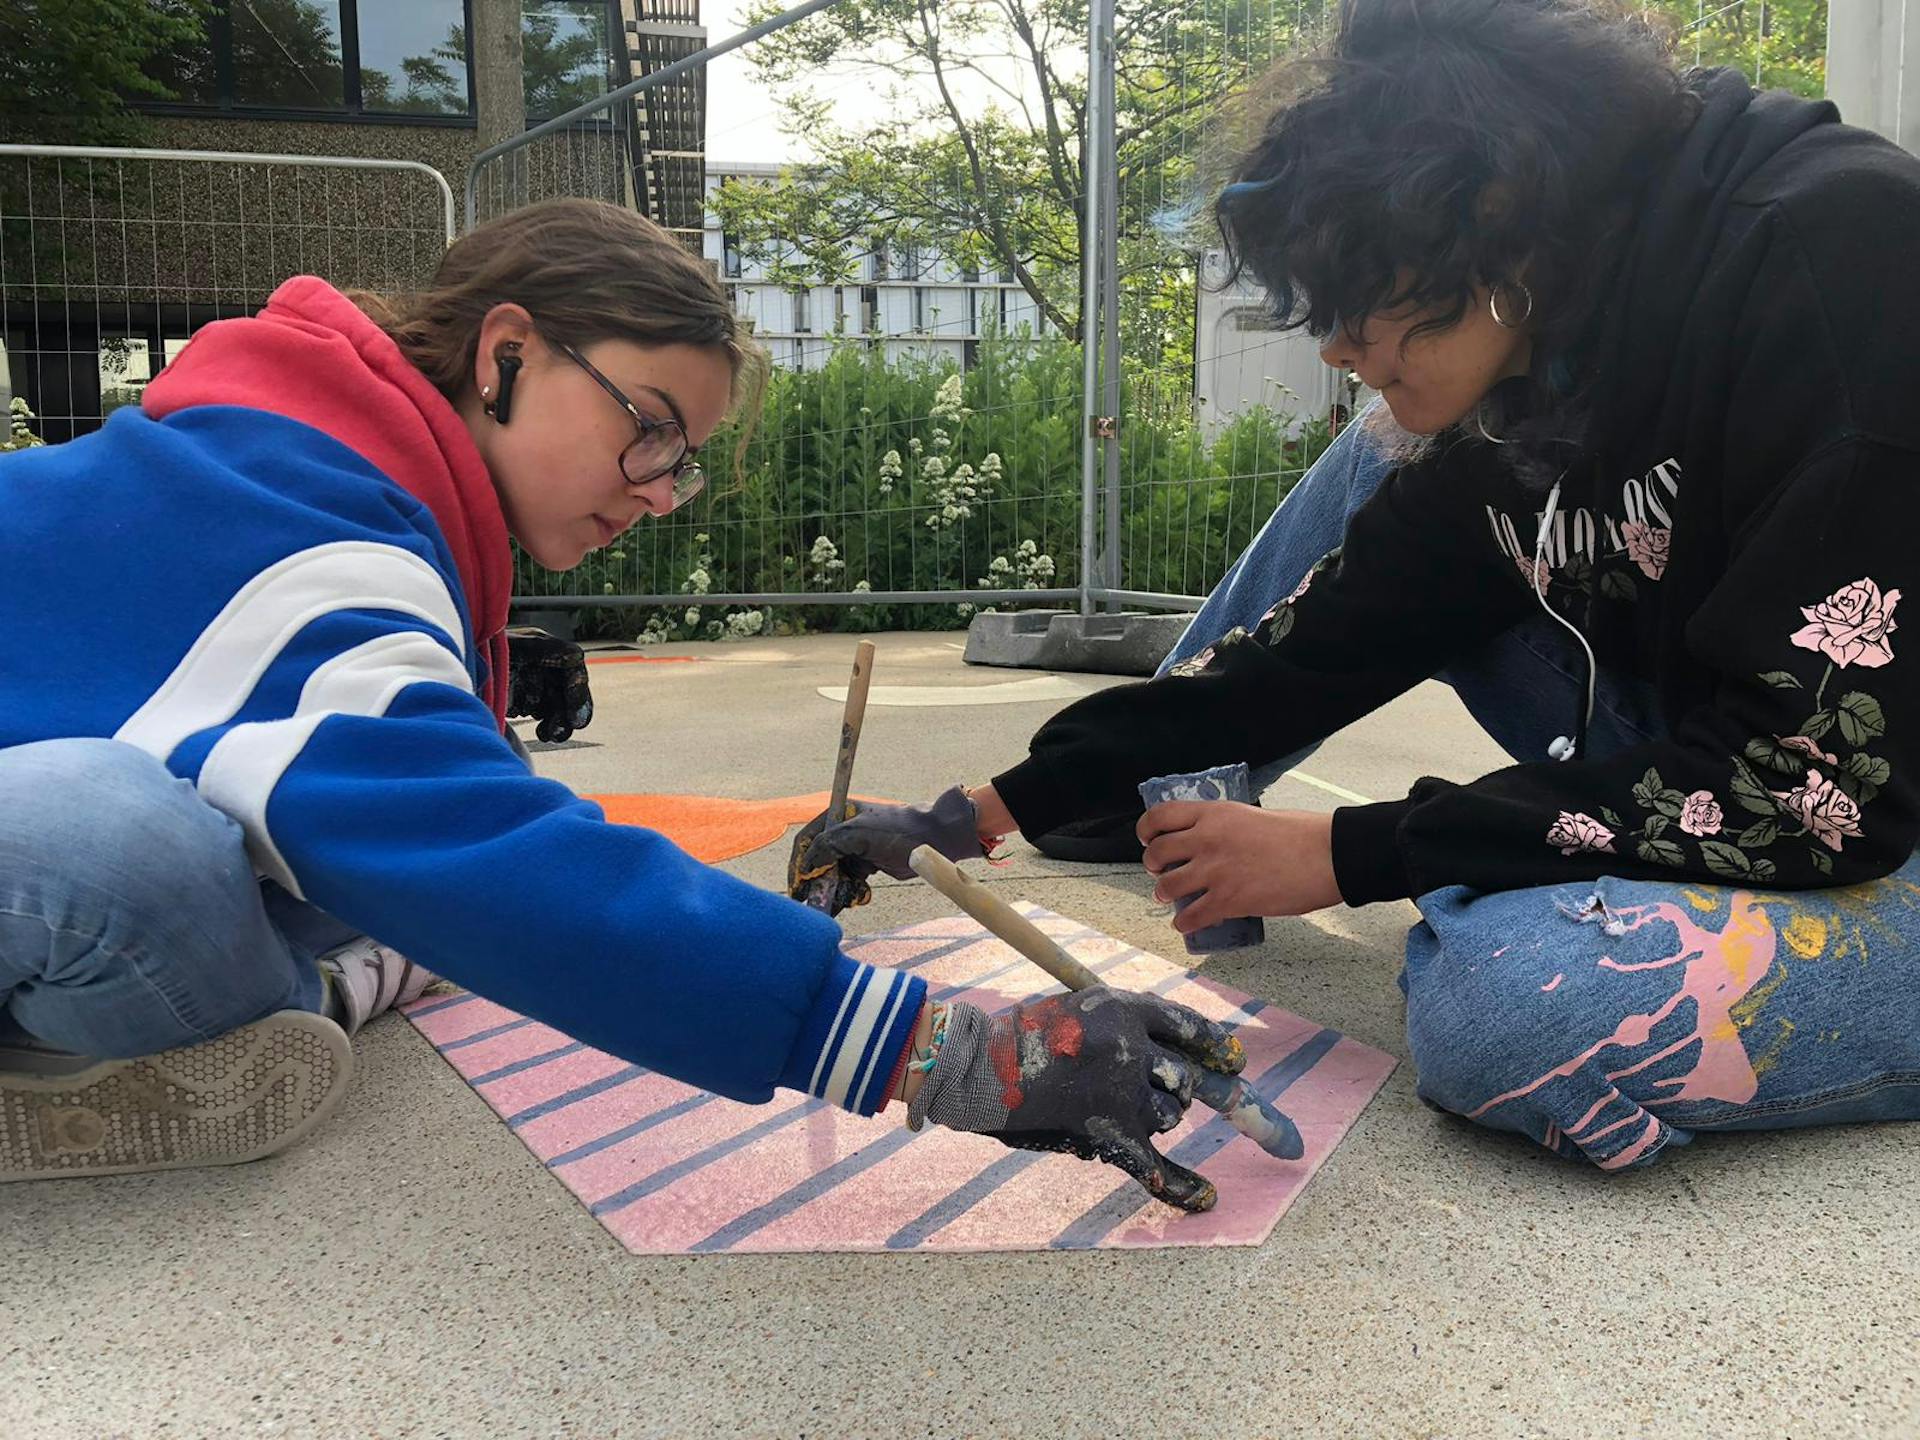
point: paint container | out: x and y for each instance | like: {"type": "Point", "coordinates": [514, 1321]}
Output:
{"type": "Point", "coordinates": [1223, 782]}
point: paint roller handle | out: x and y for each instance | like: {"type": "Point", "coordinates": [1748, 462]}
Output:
{"type": "Point", "coordinates": [1233, 1097]}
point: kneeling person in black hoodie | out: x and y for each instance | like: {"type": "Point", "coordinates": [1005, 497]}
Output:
{"type": "Point", "coordinates": [1642, 485]}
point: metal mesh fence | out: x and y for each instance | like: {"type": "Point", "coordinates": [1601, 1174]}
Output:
{"type": "Point", "coordinates": [111, 259]}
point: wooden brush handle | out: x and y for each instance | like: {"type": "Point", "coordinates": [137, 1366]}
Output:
{"type": "Point", "coordinates": [851, 719]}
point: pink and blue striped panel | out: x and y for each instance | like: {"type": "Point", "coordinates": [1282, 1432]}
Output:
{"type": "Point", "coordinates": [670, 1170]}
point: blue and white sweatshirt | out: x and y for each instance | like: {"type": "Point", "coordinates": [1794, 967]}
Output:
{"type": "Point", "coordinates": [286, 578]}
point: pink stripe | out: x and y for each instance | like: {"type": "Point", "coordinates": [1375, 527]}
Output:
{"type": "Point", "coordinates": [1261, 1187]}
{"type": "Point", "coordinates": [1598, 1105]}
{"type": "Point", "coordinates": [598, 1115]}
{"type": "Point", "coordinates": [515, 1093]}
{"type": "Point", "coordinates": [1639, 1147]}
{"type": "Point", "coordinates": [459, 1021]}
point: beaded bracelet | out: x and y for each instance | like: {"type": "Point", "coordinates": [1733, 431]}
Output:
{"type": "Point", "coordinates": [923, 1059]}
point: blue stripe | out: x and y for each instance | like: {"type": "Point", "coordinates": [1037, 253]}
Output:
{"type": "Point", "coordinates": [658, 1117]}
{"type": "Point", "coordinates": [479, 1035]}
{"type": "Point", "coordinates": [843, 1022]}
{"type": "Point", "coordinates": [942, 1213]}
{"type": "Point", "coordinates": [1126, 1200]}
{"type": "Point", "coordinates": [666, 1175]}
{"type": "Point", "coordinates": [578, 1093]}
{"type": "Point", "coordinates": [865, 1158]}
{"type": "Point", "coordinates": [438, 1005]}
{"type": "Point", "coordinates": [951, 1207]}
{"type": "Point", "coordinates": [517, 1066]}
{"type": "Point", "coordinates": [887, 1021]}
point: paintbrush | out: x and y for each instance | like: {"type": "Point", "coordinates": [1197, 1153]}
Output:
{"type": "Point", "coordinates": [821, 890]}
{"type": "Point", "coordinates": [1232, 1096]}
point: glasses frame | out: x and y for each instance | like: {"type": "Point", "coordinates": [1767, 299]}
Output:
{"type": "Point", "coordinates": [688, 475]}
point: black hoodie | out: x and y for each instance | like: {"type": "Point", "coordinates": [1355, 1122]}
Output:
{"type": "Point", "coordinates": [1737, 529]}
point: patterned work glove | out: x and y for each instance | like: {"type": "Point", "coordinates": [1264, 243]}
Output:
{"type": "Point", "coordinates": [881, 837]}
{"type": "Point", "coordinates": [1097, 1073]}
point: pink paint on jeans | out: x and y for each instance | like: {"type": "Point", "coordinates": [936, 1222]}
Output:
{"type": "Point", "coordinates": [1719, 969]}
{"type": "Point", "coordinates": [1554, 983]}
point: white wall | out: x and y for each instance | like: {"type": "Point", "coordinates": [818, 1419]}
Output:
{"type": "Point", "coordinates": [1873, 66]}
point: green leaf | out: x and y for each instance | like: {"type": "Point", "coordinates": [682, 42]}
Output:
{"type": "Point", "coordinates": [1867, 791]}
{"type": "Point", "coordinates": [1822, 861]}
{"type": "Point", "coordinates": [1763, 750]}
{"type": "Point", "coordinates": [1656, 826]}
{"type": "Point", "coordinates": [1870, 768]}
{"type": "Point", "coordinates": [1618, 585]}
{"type": "Point", "coordinates": [1670, 803]}
{"type": "Point", "coordinates": [1781, 680]}
{"type": "Point", "coordinates": [1751, 794]}
{"type": "Point", "coordinates": [1651, 781]}
{"type": "Point", "coordinates": [1725, 860]}
{"type": "Point", "coordinates": [1282, 625]}
{"type": "Point", "coordinates": [1661, 852]}
{"type": "Point", "coordinates": [1758, 835]}
{"type": "Point", "coordinates": [1611, 818]}
{"type": "Point", "coordinates": [1817, 724]}
{"type": "Point", "coordinates": [1861, 718]}
{"type": "Point", "coordinates": [1763, 869]}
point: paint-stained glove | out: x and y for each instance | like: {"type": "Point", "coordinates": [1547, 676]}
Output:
{"type": "Point", "coordinates": [880, 837]}
{"type": "Point", "coordinates": [1097, 1073]}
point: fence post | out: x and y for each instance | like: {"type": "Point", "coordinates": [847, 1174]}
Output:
{"type": "Point", "coordinates": [1096, 234]}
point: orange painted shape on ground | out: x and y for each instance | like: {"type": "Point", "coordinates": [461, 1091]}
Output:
{"type": "Point", "coordinates": [709, 827]}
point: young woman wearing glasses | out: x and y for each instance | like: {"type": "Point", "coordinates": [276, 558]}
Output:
{"type": "Point", "coordinates": [270, 759]}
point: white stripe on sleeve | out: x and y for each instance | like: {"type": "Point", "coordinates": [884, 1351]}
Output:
{"type": "Point", "coordinates": [217, 675]}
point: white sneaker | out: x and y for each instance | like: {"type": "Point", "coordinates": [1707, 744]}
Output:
{"type": "Point", "coordinates": [366, 979]}
{"type": "Point", "coordinates": [243, 1096]}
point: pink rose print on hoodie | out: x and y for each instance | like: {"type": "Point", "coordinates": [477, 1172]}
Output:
{"type": "Point", "coordinates": [1824, 808]}
{"type": "Point", "coordinates": [1701, 815]}
{"type": "Point", "coordinates": [1851, 626]}
{"type": "Point", "coordinates": [1571, 834]}
{"type": "Point", "coordinates": [1647, 547]}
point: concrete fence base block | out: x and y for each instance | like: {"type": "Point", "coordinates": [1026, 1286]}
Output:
{"type": "Point", "coordinates": [1131, 643]}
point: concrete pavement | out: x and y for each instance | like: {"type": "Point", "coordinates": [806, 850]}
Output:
{"type": "Point", "coordinates": [412, 1271]}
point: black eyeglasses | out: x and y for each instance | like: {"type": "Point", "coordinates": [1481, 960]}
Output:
{"type": "Point", "coordinates": [659, 449]}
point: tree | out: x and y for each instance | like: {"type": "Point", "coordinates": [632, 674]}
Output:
{"type": "Point", "coordinates": [1776, 43]}
{"type": "Point", "coordinates": [1000, 187]}
{"type": "Point", "coordinates": [67, 67]}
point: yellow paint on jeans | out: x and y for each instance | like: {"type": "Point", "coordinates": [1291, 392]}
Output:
{"type": "Point", "coordinates": [1705, 901]}
{"type": "Point", "coordinates": [1806, 936]}
{"type": "Point", "coordinates": [1770, 1057]}
{"type": "Point", "coordinates": [1748, 1009]}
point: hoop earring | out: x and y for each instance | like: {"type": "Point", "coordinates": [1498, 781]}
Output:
{"type": "Point", "coordinates": [1493, 307]}
{"type": "Point", "coordinates": [1480, 424]}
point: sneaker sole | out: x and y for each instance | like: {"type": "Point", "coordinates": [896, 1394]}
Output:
{"type": "Point", "coordinates": [241, 1097]}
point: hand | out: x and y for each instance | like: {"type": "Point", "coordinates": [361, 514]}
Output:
{"type": "Point", "coordinates": [1096, 1073]}
{"type": "Point", "coordinates": [1248, 861]}
{"type": "Point", "coordinates": [881, 837]}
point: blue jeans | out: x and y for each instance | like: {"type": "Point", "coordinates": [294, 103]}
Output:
{"type": "Point", "coordinates": [130, 917]}
{"type": "Point", "coordinates": [1610, 1019]}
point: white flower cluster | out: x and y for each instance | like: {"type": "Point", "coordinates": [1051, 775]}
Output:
{"type": "Point", "coordinates": [824, 563]}
{"type": "Point", "coordinates": [891, 471]}
{"type": "Point", "coordinates": [20, 436]}
{"type": "Point", "coordinates": [1028, 569]}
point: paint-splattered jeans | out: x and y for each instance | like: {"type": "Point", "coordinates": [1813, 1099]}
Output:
{"type": "Point", "coordinates": [1610, 1020]}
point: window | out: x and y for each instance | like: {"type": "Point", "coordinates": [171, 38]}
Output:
{"type": "Point", "coordinates": [910, 261]}
{"type": "Point", "coordinates": [413, 57]}
{"type": "Point", "coordinates": [881, 269]}
{"type": "Point", "coordinates": [324, 57]}
{"type": "Point", "coordinates": [567, 54]}
{"type": "Point", "coordinates": [970, 272]}
{"type": "Point", "coordinates": [802, 312]}
{"type": "Point", "coordinates": [919, 322]}
{"type": "Point", "coordinates": [869, 309]}
{"type": "Point", "coordinates": [973, 312]}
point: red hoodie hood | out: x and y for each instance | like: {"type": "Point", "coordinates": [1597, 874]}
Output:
{"type": "Point", "coordinates": [313, 356]}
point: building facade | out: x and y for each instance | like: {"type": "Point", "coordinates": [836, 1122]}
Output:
{"type": "Point", "coordinates": [909, 303]}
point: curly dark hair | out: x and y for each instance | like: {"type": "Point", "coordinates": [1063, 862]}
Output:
{"type": "Point", "coordinates": [1433, 145]}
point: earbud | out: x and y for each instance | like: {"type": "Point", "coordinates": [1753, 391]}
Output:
{"type": "Point", "coordinates": [502, 408]}
{"type": "Point", "coordinates": [1561, 748]}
